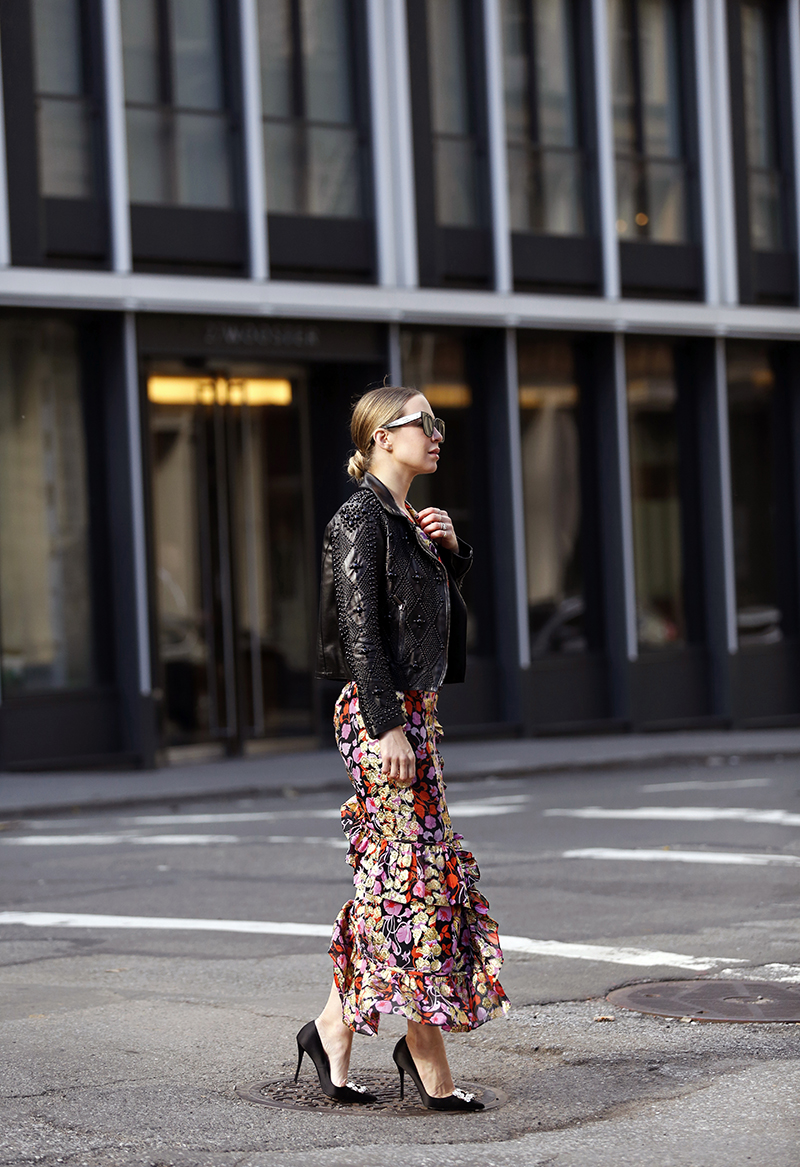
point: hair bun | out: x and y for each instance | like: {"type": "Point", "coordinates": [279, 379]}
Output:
{"type": "Point", "coordinates": [357, 466]}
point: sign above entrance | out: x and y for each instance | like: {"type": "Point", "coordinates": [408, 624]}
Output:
{"type": "Point", "coordinates": [232, 337]}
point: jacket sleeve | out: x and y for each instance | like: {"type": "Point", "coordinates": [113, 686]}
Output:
{"type": "Point", "coordinates": [358, 565]}
{"type": "Point", "coordinates": [457, 563]}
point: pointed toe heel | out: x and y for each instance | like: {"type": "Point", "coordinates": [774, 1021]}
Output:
{"type": "Point", "coordinates": [458, 1100]}
{"type": "Point", "coordinates": [309, 1042]}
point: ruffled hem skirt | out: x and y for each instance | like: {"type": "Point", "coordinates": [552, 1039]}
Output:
{"type": "Point", "coordinates": [417, 938]}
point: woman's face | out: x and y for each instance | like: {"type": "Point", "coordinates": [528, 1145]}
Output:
{"type": "Point", "coordinates": [410, 447]}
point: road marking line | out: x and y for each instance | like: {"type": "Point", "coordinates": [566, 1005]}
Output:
{"type": "Point", "coordinates": [638, 957]}
{"type": "Point", "coordinates": [707, 784]}
{"type": "Point", "coordinates": [106, 840]}
{"type": "Point", "coordinates": [496, 805]}
{"type": "Point", "coordinates": [733, 858]}
{"type": "Point", "coordinates": [699, 814]}
{"type": "Point", "coordinates": [166, 840]}
{"type": "Point", "coordinates": [244, 816]}
{"type": "Point", "coordinates": [177, 924]}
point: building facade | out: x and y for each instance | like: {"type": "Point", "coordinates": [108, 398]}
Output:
{"type": "Point", "coordinates": [572, 224]}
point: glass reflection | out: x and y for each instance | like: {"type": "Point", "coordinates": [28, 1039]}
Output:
{"type": "Point", "coordinates": [751, 395]}
{"type": "Point", "coordinates": [545, 163]}
{"type": "Point", "coordinates": [455, 150]}
{"type": "Point", "coordinates": [312, 143]}
{"type": "Point", "coordinates": [45, 594]}
{"type": "Point", "coordinates": [177, 121]}
{"type": "Point", "coordinates": [648, 135]}
{"type": "Point", "coordinates": [761, 127]}
{"type": "Point", "coordinates": [653, 437]}
{"type": "Point", "coordinates": [548, 405]}
{"type": "Point", "coordinates": [66, 122]}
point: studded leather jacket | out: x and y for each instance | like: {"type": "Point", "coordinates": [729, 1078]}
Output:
{"type": "Point", "coordinates": [391, 612]}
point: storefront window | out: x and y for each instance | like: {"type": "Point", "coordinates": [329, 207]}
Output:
{"type": "Point", "coordinates": [545, 163]}
{"type": "Point", "coordinates": [313, 148]}
{"type": "Point", "coordinates": [655, 493]}
{"type": "Point", "coordinates": [648, 133]}
{"type": "Point", "coordinates": [751, 392]}
{"type": "Point", "coordinates": [765, 181]}
{"type": "Point", "coordinates": [45, 595]}
{"type": "Point", "coordinates": [548, 410]}
{"type": "Point", "coordinates": [177, 117]}
{"type": "Point", "coordinates": [456, 163]}
{"type": "Point", "coordinates": [66, 117]}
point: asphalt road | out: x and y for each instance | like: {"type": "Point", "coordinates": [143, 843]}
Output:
{"type": "Point", "coordinates": [124, 1034]}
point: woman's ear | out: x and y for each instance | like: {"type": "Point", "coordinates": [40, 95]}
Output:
{"type": "Point", "coordinates": [382, 439]}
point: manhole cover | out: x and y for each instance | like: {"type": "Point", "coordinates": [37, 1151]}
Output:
{"type": "Point", "coordinates": [712, 1000]}
{"type": "Point", "coordinates": [306, 1095]}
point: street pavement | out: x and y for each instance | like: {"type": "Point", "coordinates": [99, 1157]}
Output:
{"type": "Point", "coordinates": [152, 958]}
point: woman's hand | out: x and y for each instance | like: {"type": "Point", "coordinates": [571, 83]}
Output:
{"type": "Point", "coordinates": [438, 526]}
{"type": "Point", "coordinates": [398, 761]}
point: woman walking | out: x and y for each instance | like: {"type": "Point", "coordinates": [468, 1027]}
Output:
{"type": "Point", "coordinates": [416, 939]}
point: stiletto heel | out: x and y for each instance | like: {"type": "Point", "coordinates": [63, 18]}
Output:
{"type": "Point", "coordinates": [309, 1042]}
{"type": "Point", "coordinates": [458, 1100]}
{"type": "Point", "coordinates": [402, 1083]}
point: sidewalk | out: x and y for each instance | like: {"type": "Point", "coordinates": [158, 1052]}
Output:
{"type": "Point", "coordinates": [322, 770]}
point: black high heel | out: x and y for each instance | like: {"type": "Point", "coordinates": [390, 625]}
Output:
{"type": "Point", "coordinates": [309, 1042]}
{"type": "Point", "coordinates": [458, 1100]}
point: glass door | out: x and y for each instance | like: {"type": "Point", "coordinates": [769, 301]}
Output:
{"type": "Point", "coordinates": [231, 523]}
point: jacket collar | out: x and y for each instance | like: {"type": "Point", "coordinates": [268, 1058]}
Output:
{"type": "Point", "coordinates": [389, 504]}
{"type": "Point", "coordinates": [384, 495]}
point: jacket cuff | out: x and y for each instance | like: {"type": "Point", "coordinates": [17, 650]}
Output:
{"type": "Point", "coordinates": [379, 719]}
{"type": "Point", "coordinates": [458, 562]}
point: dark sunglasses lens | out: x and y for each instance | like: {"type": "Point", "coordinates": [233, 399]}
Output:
{"type": "Point", "coordinates": [429, 423]}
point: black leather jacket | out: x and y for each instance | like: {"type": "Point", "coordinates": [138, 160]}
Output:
{"type": "Point", "coordinates": [391, 613]}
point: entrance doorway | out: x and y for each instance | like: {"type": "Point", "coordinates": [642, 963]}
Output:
{"type": "Point", "coordinates": [232, 522]}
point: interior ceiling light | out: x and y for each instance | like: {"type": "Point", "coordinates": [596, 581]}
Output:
{"type": "Point", "coordinates": [448, 396]}
{"type": "Point", "coordinates": [169, 390]}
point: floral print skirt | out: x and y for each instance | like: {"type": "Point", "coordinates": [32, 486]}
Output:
{"type": "Point", "coordinates": [417, 938]}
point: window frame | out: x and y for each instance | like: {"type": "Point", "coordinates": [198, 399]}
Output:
{"type": "Point", "coordinates": [197, 240]}
{"type": "Point", "coordinates": [47, 231]}
{"type": "Point", "coordinates": [654, 268]}
{"type": "Point", "coordinates": [767, 277]}
{"type": "Point", "coordinates": [318, 246]}
{"type": "Point", "coordinates": [576, 258]}
{"type": "Point", "coordinates": [449, 256]}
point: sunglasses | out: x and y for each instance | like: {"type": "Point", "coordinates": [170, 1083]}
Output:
{"type": "Point", "coordinates": [428, 422]}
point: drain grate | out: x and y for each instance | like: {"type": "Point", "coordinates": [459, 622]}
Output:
{"type": "Point", "coordinates": [712, 1000]}
{"type": "Point", "coordinates": [306, 1095]}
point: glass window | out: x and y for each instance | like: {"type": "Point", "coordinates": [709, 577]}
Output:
{"type": "Point", "coordinates": [764, 178]}
{"type": "Point", "coordinates": [45, 595]}
{"type": "Point", "coordinates": [655, 493]}
{"type": "Point", "coordinates": [457, 173]}
{"type": "Point", "coordinates": [545, 162]}
{"type": "Point", "coordinates": [751, 394]}
{"type": "Point", "coordinates": [179, 131]}
{"type": "Point", "coordinates": [436, 362]}
{"type": "Point", "coordinates": [648, 120]}
{"type": "Point", "coordinates": [313, 145]}
{"type": "Point", "coordinates": [548, 410]}
{"type": "Point", "coordinates": [65, 113]}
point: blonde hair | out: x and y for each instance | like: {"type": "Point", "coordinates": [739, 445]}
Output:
{"type": "Point", "coordinates": [375, 408]}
